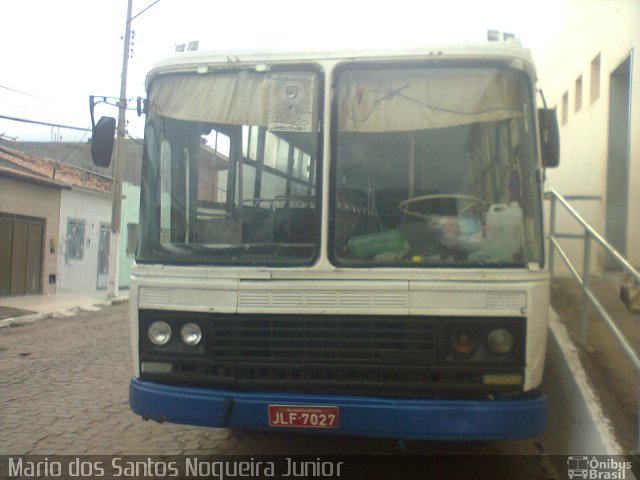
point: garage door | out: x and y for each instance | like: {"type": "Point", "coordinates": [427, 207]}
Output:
{"type": "Point", "coordinates": [20, 255]}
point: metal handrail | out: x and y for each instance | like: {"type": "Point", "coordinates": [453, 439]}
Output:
{"type": "Point", "coordinates": [588, 297]}
{"type": "Point", "coordinates": [554, 195]}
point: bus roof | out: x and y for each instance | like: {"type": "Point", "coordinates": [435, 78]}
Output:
{"type": "Point", "coordinates": [509, 51]}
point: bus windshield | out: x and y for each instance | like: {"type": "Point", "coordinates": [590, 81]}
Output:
{"type": "Point", "coordinates": [435, 167]}
{"type": "Point", "coordinates": [230, 168]}
{"type": "Point", "coordinates": [430, 166]}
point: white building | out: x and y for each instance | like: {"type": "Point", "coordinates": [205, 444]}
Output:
{"type": "Point", "coordinates": [85, 217]}
{"type": "Point", "coordinates": [589, 73]}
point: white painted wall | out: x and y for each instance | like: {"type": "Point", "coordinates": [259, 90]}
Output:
{"type": "Point", "coordinates": [80, 275]}
{"type": "Point", "coordinates": [611, 29]}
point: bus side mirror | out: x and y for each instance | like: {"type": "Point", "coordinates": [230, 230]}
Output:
{"type": "Point", "coordinates": [102, 141]}
{"type": "Point", "coordinates": [549, 137]}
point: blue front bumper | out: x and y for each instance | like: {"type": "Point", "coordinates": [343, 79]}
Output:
{"type": "Point", "coordinates": [501, 419]}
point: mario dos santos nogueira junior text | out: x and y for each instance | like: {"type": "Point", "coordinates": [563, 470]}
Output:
{"type": "Point", "coordinates": [184, 467]}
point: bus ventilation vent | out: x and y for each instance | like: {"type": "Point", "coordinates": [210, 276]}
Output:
{"type": "Point", "coordinates": [326, 299]}
{"type": "Point", "coordinates": [505, 300]}
{"type": "Point", "coordinates": [155, 296]}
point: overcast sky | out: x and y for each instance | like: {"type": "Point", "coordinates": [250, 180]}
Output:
{"type": "Point", "coordinates": [56, 54]}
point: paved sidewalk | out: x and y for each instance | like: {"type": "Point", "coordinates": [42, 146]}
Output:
{"type": "Point", "coordinates": [29, 308]}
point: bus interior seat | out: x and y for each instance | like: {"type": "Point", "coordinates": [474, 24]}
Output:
{"type": "Point", "coordinates": [218, 230]}
{"type": "Point", "coordinates": [257, 224]}
{"type": "Point", "coordinates": [295, 225]}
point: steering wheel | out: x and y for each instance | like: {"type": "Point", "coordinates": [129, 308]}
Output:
{"type": "Point", "coordinates": [404, 205]}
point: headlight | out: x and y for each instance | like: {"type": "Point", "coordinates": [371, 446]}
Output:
{"type": "Point", "coordinates": [191, 334]}
{"type": "Point", "coordinates": [500, 341]}
{"type": "Point", "coordinates": [159, 333]}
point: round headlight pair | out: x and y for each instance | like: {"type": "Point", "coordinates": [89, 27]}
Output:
{"type": "Point", "coordinates": [160, 333]}
{"type": "Point", "coordinates": [465, 341]}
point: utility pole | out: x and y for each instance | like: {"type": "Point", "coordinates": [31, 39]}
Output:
{"type": "Point", "coordinates": [118, 168]}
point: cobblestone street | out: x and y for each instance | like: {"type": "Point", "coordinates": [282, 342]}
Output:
{"type": "Point", "coordinates": [64, 390]}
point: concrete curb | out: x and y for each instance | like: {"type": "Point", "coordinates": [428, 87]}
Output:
{"type": "Point", "coordinates": [60, 313]}
{"type": "Point", "coordinates": [577, 424]}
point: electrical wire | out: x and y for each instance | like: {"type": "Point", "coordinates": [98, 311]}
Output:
{"type": "Point", "coordinates": [36, 122]}
{"type": "Point", "coordinates": [80, 143]}
{"type": "Point", "coordinates": [143, 10]}
{"type": "Point", "coordinates": [4, 87]}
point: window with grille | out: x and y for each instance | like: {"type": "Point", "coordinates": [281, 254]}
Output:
{"type": "Point", "coordinates": [75, 238]}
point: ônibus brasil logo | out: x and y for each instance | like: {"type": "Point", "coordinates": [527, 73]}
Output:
{"type": "Point", "coordinates": [597, 468]}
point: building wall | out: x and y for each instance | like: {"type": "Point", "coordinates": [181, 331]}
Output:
{"type": "Point", "coordinates": [608, 29]}
{"type": "Point", "coordinates": [80, 275]}
{"type": "Point", "coordinates": [130, 215]}
{"type": "Point", "coordinates": [30, 200]}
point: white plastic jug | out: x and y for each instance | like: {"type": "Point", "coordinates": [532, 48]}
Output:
{"type": "Point", "coordinates": [505, 229]}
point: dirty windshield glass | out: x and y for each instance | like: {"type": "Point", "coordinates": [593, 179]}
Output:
{"type": "Point", "coordinates": [230, 166]}
{"type": "Point", "coordinates": [435, 167]}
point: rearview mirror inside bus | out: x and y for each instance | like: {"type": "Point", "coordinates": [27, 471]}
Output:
{"type": "Point", "coordinates": [549, 137]}
{"type": "Point", "coordinates": [102, 141]}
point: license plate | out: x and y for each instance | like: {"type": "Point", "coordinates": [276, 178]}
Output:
{"type": "Point", "coordinates": [303, 416]}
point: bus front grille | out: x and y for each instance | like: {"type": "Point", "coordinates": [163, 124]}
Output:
{"type": "Point", "coordinates": [318, 339]}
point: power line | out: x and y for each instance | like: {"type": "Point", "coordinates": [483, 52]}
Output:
{"type": "Point", "coordinates": [143, 10]}
{"type": "Point", "coordinates": [24, 120]}
{"type": "Point", "coordinates": [18, 91]}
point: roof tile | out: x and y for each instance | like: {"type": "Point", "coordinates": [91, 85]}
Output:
{"type": "Point", "coordinates": [53, 171]}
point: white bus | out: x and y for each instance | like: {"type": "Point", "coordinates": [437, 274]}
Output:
{"type": "Point", "coordinates": [344, 242]}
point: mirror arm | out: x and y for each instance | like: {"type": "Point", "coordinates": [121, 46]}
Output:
{"type": "Point", "coordinates": [93, 102]}
{"type": "Point", "coordinates": [544, 100]}
{"type": "Point", "coordinates": [91, 107]}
